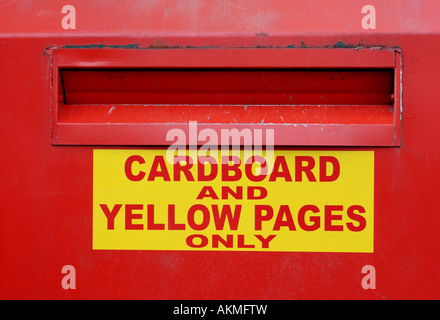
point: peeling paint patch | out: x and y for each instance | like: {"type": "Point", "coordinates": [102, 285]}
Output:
{"type": "Point", "coordinates": [341, 44]}
{"type": "Point", "coordinates": [101, 46]}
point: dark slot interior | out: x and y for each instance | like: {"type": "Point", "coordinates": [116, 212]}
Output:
{"type": "Point", "coordinates": [227, 86]}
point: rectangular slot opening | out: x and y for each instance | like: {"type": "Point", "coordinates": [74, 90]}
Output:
{"type": "Point", "coordinates": [319, 97]}
{"type": "Point", "coordinates": [228, 87]}
{"type": "Point", "coordinates": [233, 96]}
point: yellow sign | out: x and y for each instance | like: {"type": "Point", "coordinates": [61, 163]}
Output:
{"type": "Point", "coordinates": [309, 201]}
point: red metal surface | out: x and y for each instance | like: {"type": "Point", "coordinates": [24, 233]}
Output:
{"type": "Point", "coordinates": [46, 190]}
{"type": "Point", "coordinates": [282, 114]}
